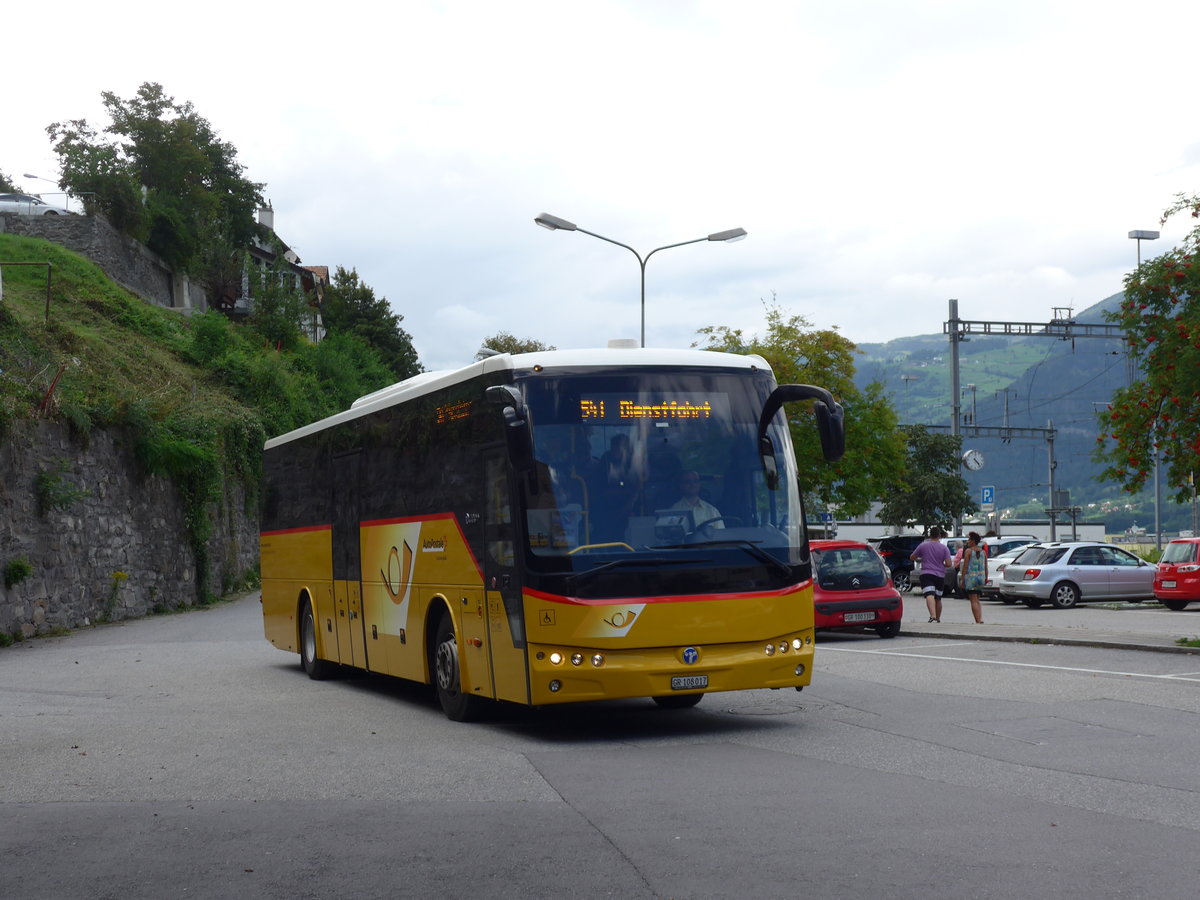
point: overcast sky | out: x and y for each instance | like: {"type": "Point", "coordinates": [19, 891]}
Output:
{"type": "Point", "coordinates": [884, 157]}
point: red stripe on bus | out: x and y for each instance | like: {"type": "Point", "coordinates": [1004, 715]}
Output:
{"type": "Point", "coordinates": [670, 598]}
{"type": "Point", "coordinates": [296, 530]}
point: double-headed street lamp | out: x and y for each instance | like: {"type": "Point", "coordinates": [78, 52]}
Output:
{"type": "Point", "coordinates": [554, 223]}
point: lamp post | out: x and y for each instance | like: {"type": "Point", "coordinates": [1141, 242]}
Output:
{"type": "Point", "coordinates": [66, 197]}
{"type": "Point", "coordinates": [554, 223]}
{"type": "Point", "coordinates": [1140, 236]}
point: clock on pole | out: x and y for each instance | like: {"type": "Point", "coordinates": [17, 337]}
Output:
{"type": "Point", "coordinates": [973, 460]}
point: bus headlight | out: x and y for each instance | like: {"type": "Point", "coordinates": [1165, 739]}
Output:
{"type": "Point", "coordinates": [555, 686]}
{"type": "Point", "coordinates": [770, 649]}
{"type": "Point", "coordinates": [556, 658]}
{"type": "Point", "coordinates": [577, 659]}
{"type": "Point", "coordinates": [784, 647]}
{"type": "Point", "coordinates": [597, 660]}
{"type": "Point", "coordinates": [799, 668]}
{"type": "Point", "coordinates": [797, 644]}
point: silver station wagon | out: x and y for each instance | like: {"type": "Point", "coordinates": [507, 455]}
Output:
{"type": "Point", "coordinates": [1067, 573]}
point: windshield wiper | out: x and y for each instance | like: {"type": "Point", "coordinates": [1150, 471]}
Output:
{"type": "Point", "coordinates": [742, 544]}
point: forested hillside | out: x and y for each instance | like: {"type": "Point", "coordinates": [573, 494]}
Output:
{"type": "Point", "coordinates": [1039, 380]}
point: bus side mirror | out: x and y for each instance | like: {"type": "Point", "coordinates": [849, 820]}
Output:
{"type": "Point", "coordinates": [516, 424]}
{"type": "Point", "coordinates": [830, 424]}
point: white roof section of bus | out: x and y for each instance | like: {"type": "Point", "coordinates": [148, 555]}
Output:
{"type": "Point", "coordinates": [599, 358]}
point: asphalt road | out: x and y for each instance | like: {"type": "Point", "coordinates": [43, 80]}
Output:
{"type": "Point", "coordinates": [183, 756]}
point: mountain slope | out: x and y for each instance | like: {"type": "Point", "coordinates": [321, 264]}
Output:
{"type": "Point", "coordinates": [1024, 382]}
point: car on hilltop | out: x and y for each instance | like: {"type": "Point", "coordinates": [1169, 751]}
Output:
{"type": "Point", "coordinates": [29, 205]}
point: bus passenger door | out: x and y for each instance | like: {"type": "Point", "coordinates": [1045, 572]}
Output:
{"type": "Point", "coordinates": [347, 577]}
{"type": "Point", "coordinates": [502, 584]}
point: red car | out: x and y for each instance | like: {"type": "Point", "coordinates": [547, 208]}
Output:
{"type": "Point", "coordinates": [852, 588]}
{"type": "Point", "coordinates": [1177, 579]}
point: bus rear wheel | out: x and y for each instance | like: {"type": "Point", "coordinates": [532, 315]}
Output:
{"type": "Point", "coordinates": [447, 676]}
{"type": "Point", "coordinates": [317, 669]}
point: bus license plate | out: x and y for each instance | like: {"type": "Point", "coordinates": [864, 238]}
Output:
{"type": "Point", "coordinates": [688, 682]}
{"type": "Point", "coordinates": [859, 617]}
{"type": "Point", "coordinates": [1168, 584]}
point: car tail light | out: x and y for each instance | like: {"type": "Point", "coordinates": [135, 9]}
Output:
{"type": "Point", "coordinates": [1032, 574]}
{"type": "Point", "coordinates": [1190, 567]}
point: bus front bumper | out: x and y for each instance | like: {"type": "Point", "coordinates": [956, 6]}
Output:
{"type": "Point", "coordinates": [572, 674]}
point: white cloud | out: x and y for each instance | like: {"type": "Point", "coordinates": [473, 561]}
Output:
{"type": "Point", "coordinates": [883, 156]}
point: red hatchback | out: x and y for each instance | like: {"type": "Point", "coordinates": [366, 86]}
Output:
{"type": "Point", "coordinates": [1177, 579]}
{"type": "Point", "coordinates": [852, 588]}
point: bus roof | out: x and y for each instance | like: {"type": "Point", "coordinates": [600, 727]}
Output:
{"type": "Point", "coordinates": [601, 357]}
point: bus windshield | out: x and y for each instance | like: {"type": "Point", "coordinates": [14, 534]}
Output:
{"type": "Point", "coordinates": [649, 481]}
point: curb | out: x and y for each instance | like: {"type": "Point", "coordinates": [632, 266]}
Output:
{"type": "Point", "coordinates": [1055, 639]}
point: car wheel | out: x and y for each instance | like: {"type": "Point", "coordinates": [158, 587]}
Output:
{"type": "Point", "coordinates": [1034, 602]}
{"type": "Point", "coordinates": [888, 629]}
{"type": "Point", "coordinates": [902, 581]}
{"type": "Point", "coordinates": [1176, 605]}
{"type": "Point", "coordinates": [1064, 596]}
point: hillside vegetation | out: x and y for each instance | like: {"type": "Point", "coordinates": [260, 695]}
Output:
{"type": "Point", "coordinates": [194, 397]}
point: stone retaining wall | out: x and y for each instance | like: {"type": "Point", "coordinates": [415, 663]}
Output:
{"type": "Point", "coordinates": [119, 551]}
{"type": "Point", "coordinates": [124, 260]}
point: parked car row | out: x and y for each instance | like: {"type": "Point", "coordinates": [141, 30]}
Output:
{"type": "Point", "coordinates": [858, 585]}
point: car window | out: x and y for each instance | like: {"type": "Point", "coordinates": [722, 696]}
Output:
{"type": "Point", "coordinates": [1115, 556]}
{"type": "Point", "coordinates": [849, 569]}
{"type": "Point", "coordinates": [1041, 556]}
{"type": "Point", "coordinates": [1180, 552]}
{"type": "Point", "coordinates": [1088, 556]}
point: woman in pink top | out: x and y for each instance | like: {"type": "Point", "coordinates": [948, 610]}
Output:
{"type": "Point", "coordinates": [934, 559]}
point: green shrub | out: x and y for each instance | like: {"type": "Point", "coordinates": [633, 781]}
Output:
{"type": "Point", "coordinates": [16, 571]}
{"type": "Point", "coordinates": [54, 491]}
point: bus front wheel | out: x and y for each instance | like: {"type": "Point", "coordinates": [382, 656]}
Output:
{"type": "Point", "coordinates": [317, 669]}
{"type": "Point", "coordinates": [677, 701]}
{"type": "Point", "coordinates": [447, 676]}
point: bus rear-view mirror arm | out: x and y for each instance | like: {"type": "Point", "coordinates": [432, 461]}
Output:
{"type": "Point", "coordinates": [516, 422]}
{"type": "Point", "coordinates": [830, 424]}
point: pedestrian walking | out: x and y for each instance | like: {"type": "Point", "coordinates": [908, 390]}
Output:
{"type": "Point", "coordinates": [934, 559]}
{"type": "Point", "coordinates": [974, 573]}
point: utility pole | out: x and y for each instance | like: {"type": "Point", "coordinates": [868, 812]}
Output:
{"type": "Point", "coordinates": [1062, 327]}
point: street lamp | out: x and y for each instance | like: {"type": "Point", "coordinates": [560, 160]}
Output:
{"type": "Point", "coordinates": [66, 197]}
{"type": "Point", "coordinates": [554, 223]}
{"type": "Point", "coordinates": [1140, 236]}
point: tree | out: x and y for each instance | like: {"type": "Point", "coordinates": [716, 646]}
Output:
{"type": "Point", "coordinates": [6, 184]}
{"type": "Point", "coordinates": [1161, 410]}
{"type": "Point", "coordinates": [160, 173]}
{"type": "Point", "coordinates": [351, 307]}
{"type": "Point", "coordinates": [503, 342]}
{"type": "Point", "coordinates": [280, 309]}
{"type": "Point", "coordinates": [933, 491]}
{"type": "Point", "coordinates": [874, 459]}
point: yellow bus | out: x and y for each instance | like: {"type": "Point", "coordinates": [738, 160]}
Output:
{"type": "Point", "coordinates": [550, 527]}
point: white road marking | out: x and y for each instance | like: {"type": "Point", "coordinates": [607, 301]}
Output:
{"type": "Point", "coordinates": [996, 662]}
